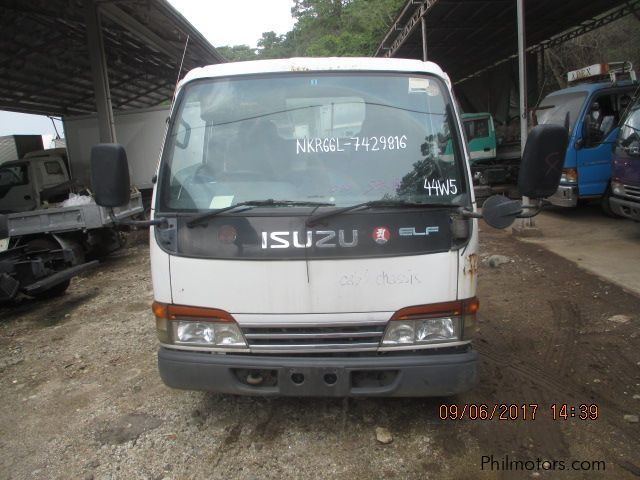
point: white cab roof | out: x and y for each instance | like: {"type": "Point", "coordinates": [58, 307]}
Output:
{"type": "Point", "coordinates": [316, 64]}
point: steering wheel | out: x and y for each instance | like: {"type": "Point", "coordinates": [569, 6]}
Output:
{"type": "Point", "coordinates": [202, 175]}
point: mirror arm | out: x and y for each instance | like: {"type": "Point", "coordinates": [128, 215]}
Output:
{"type": "Point", "coordinates": [162, 222]}
{"type": "Point", "coordinates": [463, 212]}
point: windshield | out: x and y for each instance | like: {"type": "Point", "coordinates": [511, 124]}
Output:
{"type": "Point", "coordinates": [562, 109]}
{"type": "Point", "coordinates": [476, 128]}
{"type": "Point", "coordinates": [631, 122]}
{"type": "Point", "coordinates": [336, 138]}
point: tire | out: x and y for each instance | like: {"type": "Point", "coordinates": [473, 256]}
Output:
{"type": "Point", "coordinates": [48, 244]}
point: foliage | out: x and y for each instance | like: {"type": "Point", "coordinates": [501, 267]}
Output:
{"type": "Point", "coordinates": [325, 28]}
{"type": "Point", "coordinates": [237, 53]}
{"type": "Point", "coordinates": [617, 41]}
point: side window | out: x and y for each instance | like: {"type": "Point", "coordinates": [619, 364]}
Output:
{"type": "Point", "coordinates": [600, 120]}
{"type": "Point", "coordinates": [13, 176]}
{"type": "Point", "coordinates": [476, 129]}
{"type": "Point", "coordinates": [53, 168]}
{"type": "Point", "coordinates": [604, 116]}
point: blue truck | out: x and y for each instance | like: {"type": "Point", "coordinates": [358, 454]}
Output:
{"type": "Point", "coordinates": [591, 113]}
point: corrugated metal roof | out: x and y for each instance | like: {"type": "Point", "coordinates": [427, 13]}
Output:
{"type": "Point", "coordinates": [44, 58]}
{"type": "Point", "coordinates": [467, 36]}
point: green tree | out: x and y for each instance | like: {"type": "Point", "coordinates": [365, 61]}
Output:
{"type": "Point", "coordinates": [237, 53]}
{"type": "Point", "coordinates": [326, 28]}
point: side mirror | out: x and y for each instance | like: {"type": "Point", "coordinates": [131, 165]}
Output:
{"type": "Point", "coordinates": [542, 161]}
{"type": "Point", "coordinates": [110, 175]}
{"type": "Point", "coordinates": [500, 212]}
{"type": "Point", "coordinates": [4, 226]}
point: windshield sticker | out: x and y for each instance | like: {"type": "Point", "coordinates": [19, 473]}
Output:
{"type": "Point", "coordinates": [357, 144]}
{"type": "Point", "coordinates": [221, 201]}
{"type": "Point", "coordinates": [441, 187]}
{"type": "Point", "coordinates": [418, 85]}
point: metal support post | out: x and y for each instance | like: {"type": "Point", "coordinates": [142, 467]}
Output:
{"type": "Point", "coordinates": [424, 39]}
{"type": "Point", "coordinates": [522, 69]}
{"type": "Point", "coordinates": [99, 72]}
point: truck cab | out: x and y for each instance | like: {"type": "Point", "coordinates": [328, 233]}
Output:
{"type": "Point", "coordinates": [625, 173]}
{"type": "Point", "coordinates": [481, 136]}
{"type": "Point", "coordinates": [38, 177]}
{"type": "Point", "coordinates": [311, 235]}
{"type": "Point", "coordinates": [591, 113]}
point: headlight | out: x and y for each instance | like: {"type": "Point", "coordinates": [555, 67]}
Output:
{"type": "Point", "coordinates": [212, 334]}
{"type": "Point", "coordinates": [437, 329]}
{"type": "Point", "coordinates": [399, 332]}
{"type": "Point", "coordinates": [431, 324]}
{"type": "Point", "coordinates": [432, 330]}
{"type": "Point", "coordinates": [569, 175]}
{"type": "Point", "coordinates": [197, 326]}
{"type": "Point", "coordinates": [617, 188]}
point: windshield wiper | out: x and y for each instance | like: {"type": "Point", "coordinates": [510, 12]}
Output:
{"type": "Point", "coordinates": [255, 203]}
{"type": "Point", "coordinates": [315, 219]}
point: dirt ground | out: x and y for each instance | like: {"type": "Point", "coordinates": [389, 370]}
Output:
{"type": "Point", "coordinates": [81, 397]}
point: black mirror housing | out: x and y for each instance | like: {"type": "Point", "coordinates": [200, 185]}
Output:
{"type": "Point", "coordinates": [110, 175]}
{"type": "Point", "coordinates": [4, 226]}
{"type": "Point", "coordinates": [542, 161]}
{"type": "Point", "coordinates": [500, 212]}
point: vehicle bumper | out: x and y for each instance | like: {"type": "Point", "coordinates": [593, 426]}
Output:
{"type": "Point", "coordinates": [565, 196]}
{"type": "Point", "coordinates": [392, 376]}
{"type": "Point", "coordinates": [625, 208]}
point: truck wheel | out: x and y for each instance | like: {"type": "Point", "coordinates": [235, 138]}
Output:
{"type": "Point", "coordinates": [606, 206]}
{"type": "Point", "coordinates": [48, 244]}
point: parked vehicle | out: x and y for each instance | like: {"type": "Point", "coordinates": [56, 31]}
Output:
{"type": "Point", "coordinates": [590, 112]}
{"type": "Point", "coordinates": [494, 165]}
{"type": "Point", "coordinates": [625, 173]}
{"type": "Point", "coordinates": [53, 222]}
{"type": "Point", "coordinates": [481, 136]}
{"type": "Point", "coordinates": [39, 269]}
{"type": "Point", "coordinates": [140, 131]}
{"type": "Point", "coordinates": [310, 234]}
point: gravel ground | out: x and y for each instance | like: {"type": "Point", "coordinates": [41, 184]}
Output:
{"type": "Point", "coordinates": [82, 398]}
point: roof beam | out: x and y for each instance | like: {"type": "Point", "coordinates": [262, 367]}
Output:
{"type": "Point", "coordinates": [632, 6]}
{"type": "Point", "coordinates": [115, 14]}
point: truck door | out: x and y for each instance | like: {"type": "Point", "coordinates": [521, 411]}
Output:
{"type": "Point", "coordinates": [16, 193]}
{"type": "Point", "coordinates": [599, 131]}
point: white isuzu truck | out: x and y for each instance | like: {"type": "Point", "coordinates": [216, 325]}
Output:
{"type": "Point", "coordinates": [310, 235]}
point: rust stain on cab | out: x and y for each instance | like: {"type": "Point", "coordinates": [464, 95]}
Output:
{"type": "Point", "coordinates": [471, 265]}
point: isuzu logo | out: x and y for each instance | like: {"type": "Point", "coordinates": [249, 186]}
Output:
{"type": "Point", "coordinates": [381, 235]}
{"type": "Point", "coordinates": [319, 238]}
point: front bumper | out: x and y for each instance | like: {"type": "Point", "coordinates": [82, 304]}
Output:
{"type": "Point", "coordinates": [625, 208]}
{"type": "Point", "coordinates": [565, 196]}
{"type": "Point", "coordinates": [384, 376]}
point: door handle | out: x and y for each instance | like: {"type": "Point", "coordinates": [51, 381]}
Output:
{"type": "Point", "coordinates": [27, 197]}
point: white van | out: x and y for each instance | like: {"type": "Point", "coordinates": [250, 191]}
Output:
{"type": "Point", "coordinates": [310, 235]}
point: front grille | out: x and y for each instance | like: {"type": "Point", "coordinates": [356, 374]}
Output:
{"type": "Point", "coordinates": [632, 191]}
{"type": "Point", "coordinates": [314, 339]}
